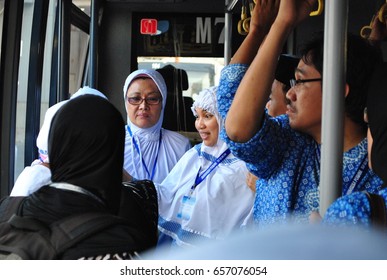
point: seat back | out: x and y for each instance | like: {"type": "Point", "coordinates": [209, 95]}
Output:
{"type": "Point", "coordinates": [177, 116]}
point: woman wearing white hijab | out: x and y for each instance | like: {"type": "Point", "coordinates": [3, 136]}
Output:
{"type": "Point", "coordinates": [205, 196]}
{"type": "Point", "coordinates": [150, 150]}
{"type": "Point", "coordinates": [38, 174]}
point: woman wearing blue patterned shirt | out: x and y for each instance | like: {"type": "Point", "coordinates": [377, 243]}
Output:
{"type": "Point", "coordinates": [354, 209]}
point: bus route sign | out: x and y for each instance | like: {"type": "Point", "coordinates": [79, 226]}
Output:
{"type": "Point", "coordinates": [148, 26]}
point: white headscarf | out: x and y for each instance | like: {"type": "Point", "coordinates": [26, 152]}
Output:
{"type": "Point", "coordinates": [173, 145]}
{"type": "Point", "coordinates": [35, 176]}
{"type": "Point", "coordinates": [160, 83]}
{"type": "Point", "coordinates": [42, 139]}
{"type": "Point", "coordinates": [222, 200]}
{"type": "Point", "coordinates": [206, 100]}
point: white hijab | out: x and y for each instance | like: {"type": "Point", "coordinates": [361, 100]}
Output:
{"type": "Point", "coordinates": [207, 101]}
{"type": "Point", "coordinates": [42, 139]}
{"type": "Point", "coordinates": [222, 199]}
{"type": "Point", "coordinates": [160, 83]}
{"type": "Point", "coordinates": [168, 152]}
{"type": "Point", "coordinates": [35, 176]}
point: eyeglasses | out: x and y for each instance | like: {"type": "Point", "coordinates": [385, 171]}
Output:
{"type": "Point", "coordinates": [149, 100]}
{"type": "Point", "coordinates": [294, 83]}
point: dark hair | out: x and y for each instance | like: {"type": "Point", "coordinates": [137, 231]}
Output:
{"type": "Point", "coordinates": [361, 59]}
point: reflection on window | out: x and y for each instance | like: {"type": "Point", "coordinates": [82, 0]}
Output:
{"type": "Point", "coordinates": [22, 86]}
{"type": "Point", "coordinates": [48, 48]}
{"type": "Point", "coordinates": [84, 5]}
{"type": "Point", "coordinates": [1, 21]}
{"type": "Point", "coordinates": [78, 51]}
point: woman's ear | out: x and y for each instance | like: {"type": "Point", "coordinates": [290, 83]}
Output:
{"type": "Point", "coordinates": [346, 90]}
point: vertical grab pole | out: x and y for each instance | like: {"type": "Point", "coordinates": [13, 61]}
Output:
{"type": "Point", "coordinates": [64, 18]}
{"type": "Point", "coordinates": [93, 46]}
{"type": "Point", "coordinates": [335, 41]}
{"type": "Point", "coordinates": [228, 30]}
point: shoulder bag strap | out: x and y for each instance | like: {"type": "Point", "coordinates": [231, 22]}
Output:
{"type": "Point", "coordinates": [69, 231]}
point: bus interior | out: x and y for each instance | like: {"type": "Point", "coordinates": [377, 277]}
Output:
{"type": "Point", "coordinates": [51, 48]}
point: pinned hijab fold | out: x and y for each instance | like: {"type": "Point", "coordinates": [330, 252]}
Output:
{"type": "Point", "coordinates": [206, 100]}
{"type": "Point", "coordinates": [377, 119]}
{"type": "Point", "coordinates": [86, 147]}
{"type": "Point", "coordinates": [42, 139]}
{"type": "Point", "coordinates": [160, 83]}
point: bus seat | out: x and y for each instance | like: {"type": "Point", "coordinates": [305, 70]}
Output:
{"type": "Point", "coordinates": [190, 118]}
{"type": "Point", "coordinates": [175, 111]}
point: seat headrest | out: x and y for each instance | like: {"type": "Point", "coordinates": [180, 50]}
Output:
{"type": "Point", "coordinates": [174, 76]}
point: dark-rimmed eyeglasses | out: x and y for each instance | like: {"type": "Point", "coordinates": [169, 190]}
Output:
{"type": "Point", "coordinates": [149, 100]}
{"type": "Point", "coordinates": [294, 83]}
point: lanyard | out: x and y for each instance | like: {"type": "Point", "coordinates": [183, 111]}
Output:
{"type": "Point", "coordinates": [142, 159]}
{"type": "Point", "coordinates": [70, 187]}
{"type": "Point", "coordinates": [361, 171]}
{"type": "Point", "coordinates": [200, 177]}
{"type": "Point", "coordinates": [359, 174]}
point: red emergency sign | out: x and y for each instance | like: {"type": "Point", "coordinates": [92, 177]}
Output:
{"type": "Point", "coordinates": [148, 26]}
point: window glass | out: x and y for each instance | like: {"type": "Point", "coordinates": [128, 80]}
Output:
{"type": "Point", "coordinates": [202, 72]}
{"type": "Point", "coordinates": [22, 85]}
{"type": "Point", "coordinates": [1, 21]}
{"type": "Point", "coordinates": [84, 5]}
{"type": "Point", "coordinates": [79, 43]}
{"type": "Point", "coordinates": [47, 60]}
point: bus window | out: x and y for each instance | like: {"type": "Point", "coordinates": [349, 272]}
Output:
{"type": "Point", "coordinates": [48, 49]}
{"type": "Point", "coordinates": [203, 72]}
{"type": "Point", "coordinates": [79, 43]}
{"type": "Point", "coordinates": [1, 21]}
{"type": "Point", "coordinates": [21, 106]}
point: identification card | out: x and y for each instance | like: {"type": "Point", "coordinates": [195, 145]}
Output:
{"type": "Point", "coordinates": [186, 208]}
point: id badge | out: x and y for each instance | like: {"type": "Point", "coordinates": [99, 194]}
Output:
{"type": "Point", "coordinates": [186, 208]}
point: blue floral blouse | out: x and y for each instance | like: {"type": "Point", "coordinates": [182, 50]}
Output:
{"type": "Point", "coordinates": [287, 162]}
{"type": "Point", "coordinates": [353, 209]}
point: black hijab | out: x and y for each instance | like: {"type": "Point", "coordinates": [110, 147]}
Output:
{"type": "Point", "coordinates": [377, 120]}
{"type": "Point", "coordinates": [86, 147]}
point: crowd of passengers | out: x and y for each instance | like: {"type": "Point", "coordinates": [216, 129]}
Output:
{"type": "Point", "coordinates": [258, 163]}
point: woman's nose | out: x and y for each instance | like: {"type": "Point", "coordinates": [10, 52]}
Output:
{"type": "Point", "coordinates": [143, 105]}
{"type": "Point", "coordinates": [200, 123]}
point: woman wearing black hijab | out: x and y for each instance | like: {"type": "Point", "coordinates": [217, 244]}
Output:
{"type": "Point", "coordinates": [86, 148]}
{"type": "Point", "coordinates": [355, 208]}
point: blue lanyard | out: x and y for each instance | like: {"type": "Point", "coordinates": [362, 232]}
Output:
{"type": "Point", "coordinates": [359, 174]}
{"type": "Point", "coordinates": [361, 171]}
{"type": "Point", "coordinates": [142, 159]}
{"type": "Point", "coordinates": [200, 177]}
{"type": "Point", "coordinates": [318, 152]}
